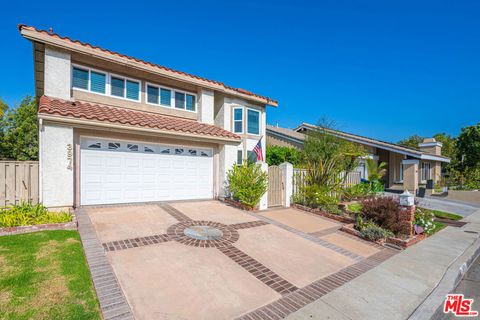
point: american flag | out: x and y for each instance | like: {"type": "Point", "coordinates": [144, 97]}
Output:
{"type": "Point", "coordinates": [258, 150]}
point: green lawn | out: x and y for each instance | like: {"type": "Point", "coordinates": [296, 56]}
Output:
{"type": "Point", "coordinates": [446, 215]}
{"type": "Point", "coordinates": [44, 275]}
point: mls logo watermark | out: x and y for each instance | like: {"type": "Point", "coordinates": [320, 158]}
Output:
{"type": "Point", "coordinates": [459, 306]}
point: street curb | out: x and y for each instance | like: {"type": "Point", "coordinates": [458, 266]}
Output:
{"type": "Point", "coordinates": [431, 307]}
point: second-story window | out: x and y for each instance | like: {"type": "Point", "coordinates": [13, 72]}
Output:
{"type": "Point", "coordinates": [184, 101]}
{"type": "Point", "coordinates": [253, 121]}
{"type": "Point", "coordinates": [238, 120]}
{"type": "Point", "coordinates": [117, 87]}
{"type": "Point", "coordinates": [98, 82]}
{"type": "Point", "coordinates": [80, 78]}
{"type": "Point", "coordinates": [152, 94]}
{"type": "Point", "coordinates": [165, 97]}
{"type": "Point", "coordinates": [124, 88]}
{"type": "Point", "coordinates": [95, 81]}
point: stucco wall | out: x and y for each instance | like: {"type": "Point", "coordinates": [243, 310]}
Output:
{"type": "Point", "coordinates": [227, 158]}
{"type": "Point", "coordinates": [56, 165]}
{"type": "Point", "coordinates": [205, 106]}
{"type": "Point", "coordinates": [57, 74]}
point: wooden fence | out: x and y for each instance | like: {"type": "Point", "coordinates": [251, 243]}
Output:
{"type": "Point", "coordinates": [299, 179]}
{"type": "Point", "coordinates": [18, 182]}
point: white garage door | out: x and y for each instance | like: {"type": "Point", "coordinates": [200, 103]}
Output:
{"type": "Point", "coordinates": [114, 171]}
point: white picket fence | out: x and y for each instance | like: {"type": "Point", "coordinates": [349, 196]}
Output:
{"type": "Point", "coordinates": [299, 179]}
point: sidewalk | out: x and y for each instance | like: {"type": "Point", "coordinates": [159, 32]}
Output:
{"type": "Point", "coordinates": [413, 281]}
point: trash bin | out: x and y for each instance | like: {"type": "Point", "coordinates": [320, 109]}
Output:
{"type": "Point", "coordinates": [421, 192]}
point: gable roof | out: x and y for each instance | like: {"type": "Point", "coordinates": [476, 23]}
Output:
{"type": "Point", "coordinates": [55, 39]}
{"type": "Point", "coordinates": [297, 136]}
{"type": "Point", "coordinates": [63, 110]}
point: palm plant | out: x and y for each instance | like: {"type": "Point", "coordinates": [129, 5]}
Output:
{"type": "Point", "coordinates": [376, 170]}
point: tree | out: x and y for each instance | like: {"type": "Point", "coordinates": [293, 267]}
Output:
{"type": "Point", "coordinates": [411, 142]}
{"type": "Point", "coordinates": [3, 108]}
{"type": "Point", "coordinates": [277, 155]}
{"type": "Point", "coordinates": [468, 147]}
{"type": "Point", "coordinates": [326, 156]}
{"type": "Point", "coordinates": [376, 171]}
{"type": "Point", "coordinates": [19, 131]}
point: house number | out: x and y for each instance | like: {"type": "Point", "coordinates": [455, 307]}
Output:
{"type": "Point", "coordinates": [69, 156]}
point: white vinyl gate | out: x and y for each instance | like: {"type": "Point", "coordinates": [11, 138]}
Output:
{"type": "Point", "coordinates": [116, 171]}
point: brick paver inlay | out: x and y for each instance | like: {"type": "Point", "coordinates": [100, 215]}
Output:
{"type": "Point", "coordinates": [209, 234]}
{"type": "Point", "coordinates": [260, 271]}
{"type": "Point", "coordinates": [180, 232]}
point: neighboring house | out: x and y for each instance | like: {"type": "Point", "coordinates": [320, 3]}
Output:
{"type": "Point", "coordinates": [407, 168]}
{"type": "Point", "coordinates": [116, 129]}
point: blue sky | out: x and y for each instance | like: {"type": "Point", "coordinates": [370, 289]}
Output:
{"type": "Point", "coordinates": [384, 69]}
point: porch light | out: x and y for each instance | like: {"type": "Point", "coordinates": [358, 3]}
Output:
{"type": "Point", "coordinates": [407, 199]}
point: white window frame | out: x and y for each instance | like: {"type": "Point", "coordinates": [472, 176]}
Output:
{"type": "Point", "coordinates": [125, 91]}
{"type": "Point", "coordinates": [401, 173]}
{"type": "Point", "coordinates": [108, 79]}
{"type": "Point", "coordinates": [243, 119]}
{"type": "Point", "coordinates": [259, 121]}
{"type": "Point", "coordinates": [172, 97]}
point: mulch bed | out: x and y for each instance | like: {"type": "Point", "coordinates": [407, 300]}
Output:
{"type": "Point", "coordinates": [402, 243]}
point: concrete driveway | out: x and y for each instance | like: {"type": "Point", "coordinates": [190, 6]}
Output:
{"type": "Point", "coordinates": [208, 260]}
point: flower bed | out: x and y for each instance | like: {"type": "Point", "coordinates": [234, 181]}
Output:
{"type": "Point", "coordinates": [70, 225]}
{"type": "Point", "coordinates": [340, 218]}
{"type": "Point", "coordinates": [403, 243]}
{"type": "Point", "coordinates": [26, 217]}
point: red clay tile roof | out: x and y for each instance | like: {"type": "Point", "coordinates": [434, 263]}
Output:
{"type": "Point", "coordinates": [88, 111]}
{"type": "Point", "coordinates": [55, 35]}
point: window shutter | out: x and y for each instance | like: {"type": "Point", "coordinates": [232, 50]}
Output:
{"type": "Point", "coordinates": [152, 94]}
{"type": "Point", "coordinates": [165, 97]}
{"type": "Point", "coordinates": [97, 82]}
{"type": "Point", "coordinates": [80, 78]}
{"type": "Point", "coordinates": [132, 90]}
{"type": "Point", "coordinates": [118, 87]}
{"type": "Point", "coordinates": [190, 102]}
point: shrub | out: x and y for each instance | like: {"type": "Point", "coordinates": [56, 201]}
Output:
{"type": "Point", "coordinates": [377, 186]}
{"type": "Point", "coordinates": [373, 232]}
{"type": "Point", "coordinates": [277, 155]}
{"type": "Point", "coordinates": [247, 183]}
{"type": "Point", "coordinates": [385, 212]}
{"type": "Point", "coordinates": [315, 196]}
{"type": "Point", "coordinates": [26, 214]}
{"type": "Point", "coordinates": [358, 191]}
{"type": "Point", "coordinates": [424, 218]}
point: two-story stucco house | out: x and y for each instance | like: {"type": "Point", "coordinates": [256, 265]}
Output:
{"type": "Point", "coordinates": [116, 129]}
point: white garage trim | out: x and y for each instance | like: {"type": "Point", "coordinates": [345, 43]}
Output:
{"type": "Point", "coordinates": [124, 171]}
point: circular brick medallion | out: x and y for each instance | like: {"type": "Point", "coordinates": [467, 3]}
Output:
{"type": "Point", "coordinates": [203, 234]}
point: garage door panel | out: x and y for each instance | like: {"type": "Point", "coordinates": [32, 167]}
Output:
{"type": "Point", "coordinates": [120, 176]}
